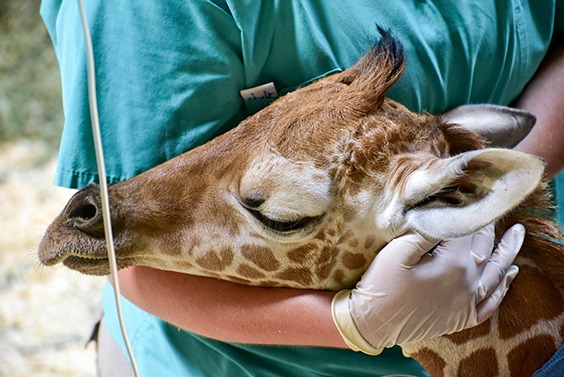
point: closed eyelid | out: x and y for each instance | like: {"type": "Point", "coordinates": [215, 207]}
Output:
{"type": "Point", "coordinates": [284, 226]}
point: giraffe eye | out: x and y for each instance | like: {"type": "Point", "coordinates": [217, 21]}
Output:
{"type": "Point", "coordinates": [283, 226]}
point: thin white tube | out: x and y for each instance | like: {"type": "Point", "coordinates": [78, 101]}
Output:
{"type": "Point", "coordinates": [91, 79]}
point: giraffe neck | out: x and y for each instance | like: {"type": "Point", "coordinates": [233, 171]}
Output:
{"type": "Point", "coordinates": [511, 343]}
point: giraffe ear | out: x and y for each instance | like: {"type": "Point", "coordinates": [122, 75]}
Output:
{"type": "Point", "coordinates": [502, 126]}
{"type": "Point", "coordinates": [458, 195]}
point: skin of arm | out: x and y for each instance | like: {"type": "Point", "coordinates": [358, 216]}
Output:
{"type": "Point", "coordinates": [544, 97]}
{"type": "Point", "coordinates": [258, 315]}
{"type": "Point", "coordinates": [232, 312]}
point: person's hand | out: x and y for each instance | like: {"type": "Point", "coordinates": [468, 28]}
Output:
{"type": "Point", "coordinates": [409, 294]}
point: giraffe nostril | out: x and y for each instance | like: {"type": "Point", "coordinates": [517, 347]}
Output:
{"type": "Point", "coordinates": [85, 212]}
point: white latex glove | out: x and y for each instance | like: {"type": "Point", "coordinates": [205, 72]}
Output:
{"type": "Point", "coordinates": [408, 294]}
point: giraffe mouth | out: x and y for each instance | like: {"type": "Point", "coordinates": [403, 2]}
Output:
{"type": "Point", "coordinates": [88, 264]}
{"type": "Point", "coordinates": [95, 265]}
{"type": "Point", "coordinates": [77, 262]}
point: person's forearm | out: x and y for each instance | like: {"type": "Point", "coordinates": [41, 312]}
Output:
{"type": "Point", "coordinates": [216, 309]}
{"type": "Point", "coordinates": [544, 97]}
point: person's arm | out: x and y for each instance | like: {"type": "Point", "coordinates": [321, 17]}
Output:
{"type": "Point", "coordinates": [233, 312]}
{"type": "Point", "coordinates": [544, 97]}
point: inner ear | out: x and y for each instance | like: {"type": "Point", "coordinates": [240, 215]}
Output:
{"type": "Point", "coordinates": [464, 189]}
{"type": "Point", "coordinates": [455, 196]}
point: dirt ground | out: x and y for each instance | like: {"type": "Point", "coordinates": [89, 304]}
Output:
{"type": "Point", "coordinates": [45, 313]}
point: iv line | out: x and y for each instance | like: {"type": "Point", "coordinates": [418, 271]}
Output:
{"type": "Point", "coordinates": [91, 80]}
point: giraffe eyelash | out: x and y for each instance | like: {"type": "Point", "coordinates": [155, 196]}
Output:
{"type": "Point", "coordinates": [284, 226]}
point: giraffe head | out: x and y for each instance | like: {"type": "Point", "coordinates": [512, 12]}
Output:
{"type": "Point", "coordinates": [305, 192]}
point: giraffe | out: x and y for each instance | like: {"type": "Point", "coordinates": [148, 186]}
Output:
{"type": "Point", "coordinates": [304, 194]}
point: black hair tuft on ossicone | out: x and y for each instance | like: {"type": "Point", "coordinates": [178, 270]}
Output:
{"type": "Point", "coordinates": [388, 45]}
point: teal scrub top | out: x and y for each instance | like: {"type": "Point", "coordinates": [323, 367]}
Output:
{"type": "Point", "coordinates": [169, 75]}
{"type": "Point", "coordinates": [169, 72]}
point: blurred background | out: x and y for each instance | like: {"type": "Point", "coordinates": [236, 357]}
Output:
{"type": "Point", "coordinates": [45, 313]}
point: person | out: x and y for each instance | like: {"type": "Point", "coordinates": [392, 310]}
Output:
{"type": "Point", "coordinates": [169, 76]}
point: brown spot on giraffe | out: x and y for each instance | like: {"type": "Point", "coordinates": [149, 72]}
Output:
{"type": "Point", "coordinates": [338, 276]}
{"type": "Point", "coordinates": [324, 272]}
{"type": "Point", "coordinates": [216, 261]}
{"type": "Point", "coordinates": [326, 261]}
{"type": "Point", "coordinates": [261, 257]}
{"type": "Point", "coordinates": [347, 235]}
{"type": "Point", "coordinates": [477, 332]}
{"type": "Point", "coordinates": [353, 243]}
{"type": "Point", "coordinates": [299, 275]}
{"type": "Point", "coordinates": [354, 261]}
{"type": "Point", "coordinates": [543, 346]}
{"type": "Point", "coordinates": [249, 272]}
{"type": "Point", "coordinates": [321, 236]}
{"type": "Point", "coordinates": [326, 234]}
{"type": "Point", "coordinates": [369, 242]}
{"type": "Point", "coordinates": [319, 177]}
{"type": "Point", "coordinates": [302, 253]}
{"type": "Point", "coordinates": [534, 308]}
{"type": "Point", "coordinates": [331, 232]}
{"type": "Point", "coordinates": [433, 361]}
{"type": "Point", "coordinates": [480, 363]}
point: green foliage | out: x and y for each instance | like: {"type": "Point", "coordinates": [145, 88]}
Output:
{"type": "Point", "coordinates": [30, 93]}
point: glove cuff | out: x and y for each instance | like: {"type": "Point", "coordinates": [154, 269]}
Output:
{"type": "Point", "coordinates": [345, 324]}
